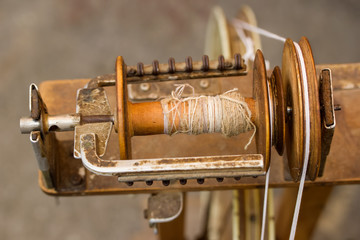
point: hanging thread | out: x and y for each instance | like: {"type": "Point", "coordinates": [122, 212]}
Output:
{"type": "Point", "coordinates": [227, 113]}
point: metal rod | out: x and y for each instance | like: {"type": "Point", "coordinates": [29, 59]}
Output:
{"type": "Point", "coordinates": [42, 161]}
{"type": "Point", "coordinates": [61, 123]}
{"type": "Point", "coordinates": [176, 71]}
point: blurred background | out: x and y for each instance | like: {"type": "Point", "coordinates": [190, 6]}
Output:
{"type": "Point", "coordinates": [45, 40]}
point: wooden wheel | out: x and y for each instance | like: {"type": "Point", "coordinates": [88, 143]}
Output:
{"type": "Point", "coordinates": [262, 120]}
{"type": "Point", "coordinates": [294, 120]}
{"type": "Point", "coordinates": [278, 110]}
{"type": "Point", "coordinates": [315, 126]}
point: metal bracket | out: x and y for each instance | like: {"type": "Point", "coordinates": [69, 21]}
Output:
{"type": "Point", "coordinates": [43, 162]}
{"type": "Point", "coordinates": [169, 168]}
{"type": "Point", "coordinates": [163, 207]}
{"type": "Point", "coordinates": [327, 115]}
{"type": "Point", "coordinates": [92, 101]}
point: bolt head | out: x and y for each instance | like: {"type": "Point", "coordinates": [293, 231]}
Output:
{"type": "Point", "coordinates": [204, 83]}
{"type": "Point", "coordinates": [144, 87]}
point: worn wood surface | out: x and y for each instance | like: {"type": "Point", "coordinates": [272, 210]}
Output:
{"type": "Point", "coordinates": [341, 168]}
{"type": "Point", "coordinates": [313, 202]}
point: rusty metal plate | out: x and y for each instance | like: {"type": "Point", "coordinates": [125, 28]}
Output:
{"type": "Point", "coordinates": [294, 121]}
{"type": "Point", "coordinates": [89, 102]}
{"type": "Point", "coordinates": [141, 92]}
{"type": "Point", "coordinates": [327, 115]}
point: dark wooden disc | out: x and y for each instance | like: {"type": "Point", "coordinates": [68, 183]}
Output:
{"type": "Point", "coordinates": [262, 119]}
{"type": "Point", "coordinates": [278, 110]}
{"type": "Point", "coordinates": [122, 123]}
{"type": "Point", "coordinates": [294, 120]}
{"type": "Point", "coordinates": [315, 123]}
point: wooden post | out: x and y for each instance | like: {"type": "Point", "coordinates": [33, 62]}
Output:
{"type": "Point", "coordinates": [313, 202]}
{"type": "Point", "coordinates": [174, 230]}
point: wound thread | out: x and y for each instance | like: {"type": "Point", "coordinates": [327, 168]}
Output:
{"type": "Point", "coordinates": [227, 113]}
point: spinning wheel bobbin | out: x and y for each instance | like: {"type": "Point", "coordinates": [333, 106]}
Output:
{"type": "Point", "coordinates": [128, 123]}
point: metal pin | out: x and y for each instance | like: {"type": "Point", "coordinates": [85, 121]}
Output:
{"type": "Point", "coordinates": [289, 110]}
{"type": "Point", "coordinates": [189, 64]}
{"type": "Point", "coordinates": [171, 63]}
{"type": "Point", "coordinates": [221, 65]}
{"type": "Point", "coordinates": [205, 63]}
{"type": "Point", "coordinates": [140, 69]}
{"type": "Point", "coordinates": [155, 67]}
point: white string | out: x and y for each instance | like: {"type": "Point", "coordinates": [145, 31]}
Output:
{"type": "Point", "coordinates": [238, 24]}
{"type": "Point", "coordinates": [307, 142]}
{"type": "Point", "coordinates": [248, 43]}
{"type": "Point", "coordinates": [265, 204]}
{"type": "Point", "coordinates": [267, 179]}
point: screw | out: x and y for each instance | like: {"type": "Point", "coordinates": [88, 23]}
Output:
{"type": "Point", "coordinates": [219, 179]}
{"type": "Point", "coordinates": [204, 83]}
{"type": "Point", "coordinates": [289, 110]}
{"type": "Point", "coordinates": [76, 179]}
{"type": "Point", "coordinates": [145, 87]}
{"type": "Point", "coordinates": [237, 178]}
{"type": "Point", "coordinates": [337, 107]}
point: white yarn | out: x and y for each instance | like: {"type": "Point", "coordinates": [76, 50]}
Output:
{"type": "Point", "coordinates": [244, 25]}
{"type": "Point", "coordinates": [227, 113]}
{"type": "Point", "coordinates": [307, 142]}
{"type": "Point", "coordinates": [267, 179]}
{"type": "Point", "coordinates": [247, 41]}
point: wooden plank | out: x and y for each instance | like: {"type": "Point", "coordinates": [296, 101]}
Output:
{"type": "Point", "coordinates": [313, 202]}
